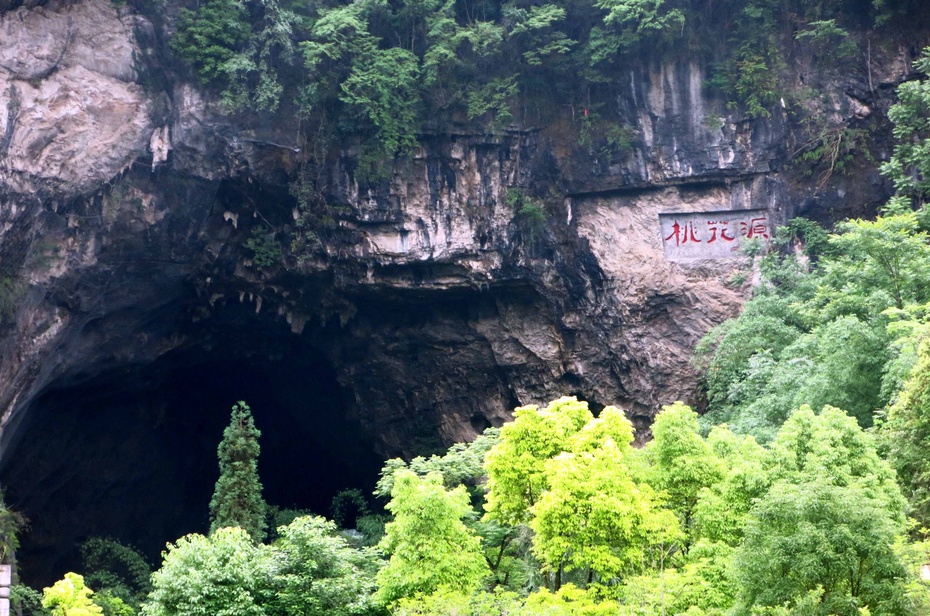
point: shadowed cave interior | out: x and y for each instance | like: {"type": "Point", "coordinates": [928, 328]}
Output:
{"type": "Point", "coordinates": [130, 453]}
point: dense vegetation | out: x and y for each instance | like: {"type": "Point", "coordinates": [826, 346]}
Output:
{"type": "Point", "coordinates": [556, 513]}
{"type": "Point", "coordinates": [845, 321]}
{"type": "Point", "coordinates": [803, 490]}
{"type": "Point", "coordinates": [378, 73]}
{"type": "Point", "coordinates": [781, 510]}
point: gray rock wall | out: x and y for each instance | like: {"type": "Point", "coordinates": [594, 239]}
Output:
{"type": "Point", "coordinates": [124, 212]}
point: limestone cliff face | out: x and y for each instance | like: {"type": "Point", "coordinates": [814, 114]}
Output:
{"type": "Point", "coordinates": [125, 209]}
{"type": "Point", "coordinates": [135, 305]}
{"type": "Point", "coordinates": [74, 112]}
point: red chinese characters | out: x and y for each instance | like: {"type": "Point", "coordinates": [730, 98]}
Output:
{"type": "Point", "coordinates": [756, 227]}
{"type": "Point", "coordinates": [689, 231]}
{"type": "Point", "coordinates": [721, 227]}
{"type": "Point", "coordinates": [684, 234]}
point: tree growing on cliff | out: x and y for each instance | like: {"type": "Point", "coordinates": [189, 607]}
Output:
{"type": "Point", "coordinates": [237, 498]}
{"type": "Point", "coordinates": [210, 36]}
{"type": "Point", "coordinates": [909, 167]}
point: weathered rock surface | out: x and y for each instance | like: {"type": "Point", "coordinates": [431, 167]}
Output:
{"type": "Point", "coordinates": [74, 117]}
{"type": "Point", "coordinates": [428, 302]}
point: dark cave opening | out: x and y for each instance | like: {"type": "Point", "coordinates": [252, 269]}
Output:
{"type": "Point", "coordinates": [130, 453]}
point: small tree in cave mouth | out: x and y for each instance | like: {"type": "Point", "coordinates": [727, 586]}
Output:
{"type": "Point", "coordinates": [237, 498]}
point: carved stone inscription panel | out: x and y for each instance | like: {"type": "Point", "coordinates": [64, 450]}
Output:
{"type": "Point", "coordinates": [711, 235]}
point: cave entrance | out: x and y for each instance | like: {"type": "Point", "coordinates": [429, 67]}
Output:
{"type": "Point", "coordinates": [130, 452]}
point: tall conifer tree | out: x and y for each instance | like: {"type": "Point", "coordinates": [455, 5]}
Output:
{"type": "Point", "coordinates": [237, 498]}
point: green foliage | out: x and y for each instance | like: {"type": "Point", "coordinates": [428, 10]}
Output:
{"type": "Point", "coordinates": [635, 17]}
{"type": "Point", "coordinates": [237, 498]}
{"type": "Point", "coordinates": [722, 507]}
{"type": "Point", "coordinates": [516, 465]}
{"type": "Point", "coordinates": [219, 575]}
{"type": "Point", "coordinates": [314, 572]}
{"type": "Point", "coordinates": [626, 26]}
{"type": "Point", "coordinates": [702, 585]}
{"type": "Point", "coordinates": [281, 516]}
{"type": "Point", "coordinates": [604, 138]}
{"type": "Point", "coordinates": [830, 40]}
{"type": "Point", "coordinates": [889, 254]}
{"type": "Point", "coordinates": [514, 198]}
{"type": "Point", "coordinates": [824, 333]}
{"type": "Point", "coordinates": [348, 506]}
{"type": "Point", "coordinates": [569, 600]}
{"type": "Point", "coordinates": [26, 601]}
{"type": "Point", "coordinates": [828, 525]}
{"type": "Point", "coordinates": [70, 597]}
{"type": "Point", "coordinates": [754, 84]}
{"type": "Point", "coordinates": [266, 250]}
{"type": "Point", "coordinates": [830, 150]}
{"type": "Point", "coordinates": [445, 602]}
{"type": "Point", "coordinates": [737, 279]}
{"type": "Point", "coordinates": [813, 239]}
{"type": "Point", "coordinates": [914, 557]}
{"type": "Point", "coordinates": [429, 546]}
{"type": "Point", "coordinates": [12, 524]}
{"type": "Point", "coordinates": [530, 213]}
{"type": "Point", "coordinates": [813, 524]}
{"type": "Point", "coordinates": [375, 74]}
{"type": "Point", "coordinates": [309, 570]}
{"type": "Point", "coordinates": [372, 528]}
{"type": "Point", "coordinates": [575, 481]}
{"type": "Point", "coordinates": [749, 76]}
{"type": "Point", "coordinates": [493, 99]}
{"type": "Point", "coordinates": [237, 45]}
{"type": "Point", "coordinates": [111, 605]}
{"type": "Point", "coordinates": [462, 464]}
{"type": "Point", "coordinates": [382, 87]}
{"type": "Point", "coordinates": [831, 447]}
{"type": "Point", "coordinates": [533, 219]}
{"type": "Point", "coordinates": [377, 86]}
{"type": "Point", "coordinates": [620, 139]}
{"type": "Point", "coordinates": [317, 220]}
{"type": "Point", "coordinates": [534, 28]}
{"type": "Point", "coordinates": [725, 353]}
{"type": "Point", "coordinates": [120, 573]}
{"type": "Point", "coordinates": [857, 316]}
{"type": "Point", "coordinates": [683, 463]}
{"type": "Point", "coordinates": [594, 516]}
{"type": "Point", "coordinates": [844, 362]}
{"type": "Point", "coordinates": [817, 536]}
{"type": "Point", "coordinates": [506, 549]}
{"type": "Point", "coordinates": [211, 36]}
{"type": "Point", "coordinates": [906, 435]}
{"type": "Point", "coordinates": [909, 166]}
